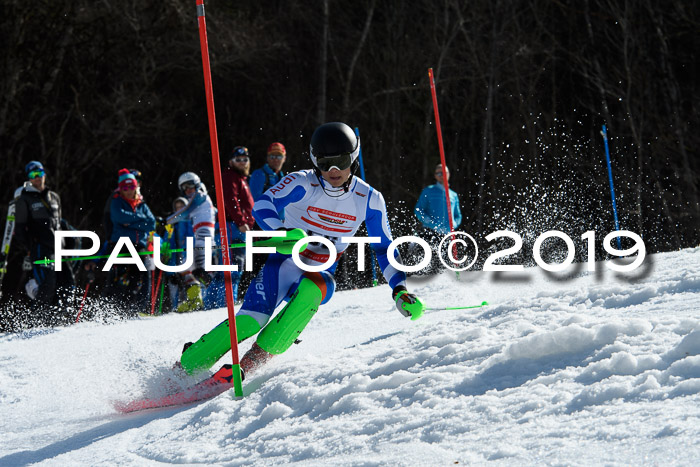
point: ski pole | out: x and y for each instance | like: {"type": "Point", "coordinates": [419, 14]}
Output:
{"type": "Point", "coordinates": [284, 245]}
{"type": "Point", "coordinates": [484, 303]}
{"type": "Point", "coordinates": [80, 312]}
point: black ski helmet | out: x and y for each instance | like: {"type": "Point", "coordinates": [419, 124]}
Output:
{"type": "Point", "coordinates": [334, 145]}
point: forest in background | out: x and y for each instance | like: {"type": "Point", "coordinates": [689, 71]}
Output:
{"type": "Point", "coordinates": [523, 89]}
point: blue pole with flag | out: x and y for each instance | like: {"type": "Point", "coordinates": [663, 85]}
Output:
{"type": "Point", "coordinates": [362, 175]}
{"type": "Point", "coordinates": [612, 188]}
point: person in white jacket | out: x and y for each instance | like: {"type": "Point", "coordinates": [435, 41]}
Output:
{"type": "Point", "coordinates": [200, 211]}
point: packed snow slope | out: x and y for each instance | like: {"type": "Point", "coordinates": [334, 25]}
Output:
{"type": "Point", "coordinates": [578, 369]}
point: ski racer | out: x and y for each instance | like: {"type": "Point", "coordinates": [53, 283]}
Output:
{"type": "Point", "coordinates": [325, 201]}
{"type": "Point", "coordinates": [200, 211]}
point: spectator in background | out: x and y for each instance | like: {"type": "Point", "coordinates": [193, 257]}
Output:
{"type": "Point", "coordinates": [177, 234]}
{"type": "Point", "coordinates": [139, 179]}
{"type": "Point", "coordinates": [269, 174]}
{"type": "Point", "coordinates": [261, 179]}
{"type": "Point", "coordinates": [91, 267]}
{"type": "Point", "coordinates": [132, 218]}
{"type": "Point", "coordinates": [37, 218]}
{"type": "Point", "coordinates": [107, 211]}
{"type": "Point", "coordinates": [431, 211]}
{"type": "Point", "coordinates": [238, 204]}
{"type": "Point", "coordinates": [200, 212]}
{"type": "Point", "coordinates": [12, 277]}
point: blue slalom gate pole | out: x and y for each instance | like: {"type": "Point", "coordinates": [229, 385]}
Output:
{"type": "Point", "coordinates": [362, 175]}
{"type": "Point", "coordinates": [612, 188]}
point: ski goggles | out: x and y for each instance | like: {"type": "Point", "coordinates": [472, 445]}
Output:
{"type": "Point", "coordinates": [187, 185]}
{"type": "Point", "coordinates": [275, 156]}
{"type": "Point", "coordinates": [340, 162]}
{"type": "Point", "coordinates": [36, 174]}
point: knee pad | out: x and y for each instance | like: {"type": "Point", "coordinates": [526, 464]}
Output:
{"type": "Point", "coordinates": [325, 281]}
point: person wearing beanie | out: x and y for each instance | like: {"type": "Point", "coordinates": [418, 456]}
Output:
{"type": "Point", "coordinates": [37, 218]}
{"type": "Point", "coordinates": [269, 174]}
{"type": "Point", "coordinates": [260, 180]}
{"type": "Point", "coordinates": [107, 211]}
{"type": "Point", "coordinates": [131, 217]}
{"type": "Point", "coordinates": [238, 204]}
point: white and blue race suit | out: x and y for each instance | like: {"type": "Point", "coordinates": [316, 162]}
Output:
{"type": "Point", "coordinates": [311, 204]}
{"type": "Point", "coordinates": [201, 213]}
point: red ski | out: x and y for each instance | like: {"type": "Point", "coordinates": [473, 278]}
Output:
{"type": "Point", "coordinates": [219, 382]}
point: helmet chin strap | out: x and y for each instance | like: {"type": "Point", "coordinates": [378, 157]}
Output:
{"type": "Point", "coordinates": [346, 185]}
{"type": "Point", "coordinates": [334, 192]}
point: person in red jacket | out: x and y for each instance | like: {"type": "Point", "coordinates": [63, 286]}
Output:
{"type": "Point", "coordinates": [238, 203]}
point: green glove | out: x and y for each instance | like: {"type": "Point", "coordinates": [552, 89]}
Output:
{"type": "Point", "coordinates": [407, 303]}
{"type": "Point", "coordinates": [165, 252]}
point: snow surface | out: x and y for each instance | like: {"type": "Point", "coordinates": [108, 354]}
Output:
{"type": "Point", "coordinates": [578, 369]}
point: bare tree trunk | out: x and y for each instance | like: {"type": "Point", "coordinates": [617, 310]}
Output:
{"type": "Point", "coordinates": [355, 57]}
{"type": "Point", "coordinates": [671, 87]}
{"type": "Point", "coordinates": [636, 129]}
{"type": "Point", "coordinates": [323, 67]}
{"type": "Point", "coordinates": [487, 135]}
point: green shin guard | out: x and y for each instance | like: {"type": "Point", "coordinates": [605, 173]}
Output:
{"type": "Point", "coordinates": [212, 346]}
{"type": "Point", "coordinates": [281, 332]}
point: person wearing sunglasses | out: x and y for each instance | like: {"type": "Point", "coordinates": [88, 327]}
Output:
{"type": "Point", "coordinates": [200, 214]}
{"type": "Point", "coordinates": [431, 211]}
{"type": "Point", "coordinates": [37, 218]}
{"type": "Point", "coordinates": [269, 174]}
{"type": "Point", "coordinates": [325, 201]}
{"type": "Point", "coordinates": [107, 210]}
{"type": "Point", "coordinates": [238, 204]}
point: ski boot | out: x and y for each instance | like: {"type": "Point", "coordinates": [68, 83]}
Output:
{"type": "Point", "coordinates": [253, 359]}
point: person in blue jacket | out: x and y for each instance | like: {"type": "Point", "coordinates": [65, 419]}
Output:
{"type": "Point", "coordinates": [126, 284]}
{"type": "Point", "coordinates": [260, 180]}
{"type": "Point", "coordinates": [269, 174]}
{"type": "Point", "coordinates": [431, 211]}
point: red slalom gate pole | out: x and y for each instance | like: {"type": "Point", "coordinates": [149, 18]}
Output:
{"type": "Point", "coordinates": [82, 303]}
{"type": "Point", "coordinates": [153, 290]}
{"type": "Point", "coordinates": [154, 294]}
{"type": "Point", "coordinates": [237, 384]}
{"type": "Point", "coordinates": [442, 154]}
